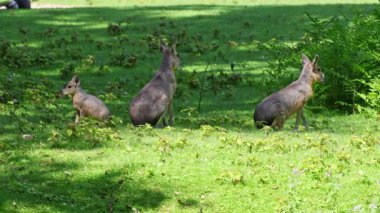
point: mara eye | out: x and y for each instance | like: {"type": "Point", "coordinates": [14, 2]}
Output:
{"type": "Point", "coordinates": [69, 87]}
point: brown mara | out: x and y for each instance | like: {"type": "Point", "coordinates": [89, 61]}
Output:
{"type": "Point", "coordinates": [276, 108]}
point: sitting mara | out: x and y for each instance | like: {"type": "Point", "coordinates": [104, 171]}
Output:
{"type": "Point", "coordinates": [85, 104]}
{"type": "Point", "coordinates": [275, 109]}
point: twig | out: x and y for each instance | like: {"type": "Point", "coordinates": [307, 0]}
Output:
{"type": "Point", "coordinates": [201, 91]}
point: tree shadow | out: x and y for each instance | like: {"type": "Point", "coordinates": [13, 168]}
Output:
{"type": "Point", "coordinates": [44, 183]}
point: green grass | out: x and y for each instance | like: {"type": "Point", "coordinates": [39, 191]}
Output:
{"type": "Point", "coordinates": [214, 160]}
{"type": "Point", "coordinates": [122, 3]}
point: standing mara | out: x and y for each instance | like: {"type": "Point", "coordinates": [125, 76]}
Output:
{"type": "Point", "coordinates": [156, 98]}
{"type": "Point", "coordinates": [275, 109]}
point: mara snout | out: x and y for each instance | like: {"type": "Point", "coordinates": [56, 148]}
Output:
{"type": "Point", "coordinates": [276, 108]}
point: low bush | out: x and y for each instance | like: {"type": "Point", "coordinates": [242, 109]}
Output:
{"type": "Point", "coordinates": [350, 59]}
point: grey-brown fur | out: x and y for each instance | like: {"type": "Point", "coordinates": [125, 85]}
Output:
{"type": "Point", "coordinates": [85, 104]}
{"type": "Point", "coordinates": [156, 98]}
{"type": "Point", "coordinates": [279, 106]}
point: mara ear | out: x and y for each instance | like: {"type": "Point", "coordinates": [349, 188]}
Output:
{"type": "Point", "coordinates": [75, 78]}
{"type": "Point", "coordinates": [163, 47]}
{"type": "Point", "coordinates": [174, 45]}
{"type": "Point", "coordinates": [315, 60]}
{"type": "Point", "coordinates": [305, 60]}
{"type": "Point", "coordinates": [173, 49]}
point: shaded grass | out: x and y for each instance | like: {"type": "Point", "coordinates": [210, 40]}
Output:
{"type": "Point", "coordinates": [123, 3]}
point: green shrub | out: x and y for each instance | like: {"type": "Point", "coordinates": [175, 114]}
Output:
{"type": "Point", "coordinates": [350, 58]}
{"type": "Point", "coordinates": [372, 98]}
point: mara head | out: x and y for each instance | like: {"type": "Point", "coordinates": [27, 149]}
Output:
{"type": "Point", "coordinates": [170, 55]}
{"type": "Point", "coordinates": [312, 68]}
{"type": "Point", "coordinates": [71, 87]}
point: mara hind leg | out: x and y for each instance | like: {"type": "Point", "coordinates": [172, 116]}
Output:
{"type": "Point", "coordinates": [163, 107]}
{"type": "Point", "coordinates": [171, 113]}
{"type": "Point", "coordinates": [279, 121]}
{"type": "Point", "coordinates": [301, 115]}
{"type": "Point", "coordinates": [168, 110]}
{"type": "Point", "coordinates": [162, 121]}
{"type": "Point", "coordinates": [304, 121]}
{"type": "Point", "coordinates": [298, 118]}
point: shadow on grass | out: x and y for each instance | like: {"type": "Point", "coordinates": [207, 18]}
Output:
{"type": "Point", "coordinates": [48, 185]}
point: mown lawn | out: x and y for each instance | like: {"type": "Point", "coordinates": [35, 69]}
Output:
{"type": "Point", "coordinates": [213, 159]}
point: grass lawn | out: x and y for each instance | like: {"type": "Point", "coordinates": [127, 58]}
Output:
{"type": "Point", "coordinates": [123, 3]}
{"type": "Point", "coordinates": [213, 159]}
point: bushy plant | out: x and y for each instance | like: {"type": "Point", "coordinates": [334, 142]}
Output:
{"type": "Point", "coordinates": [350, 59]}
{"type": "Point", "coordinates": [372, 98]}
